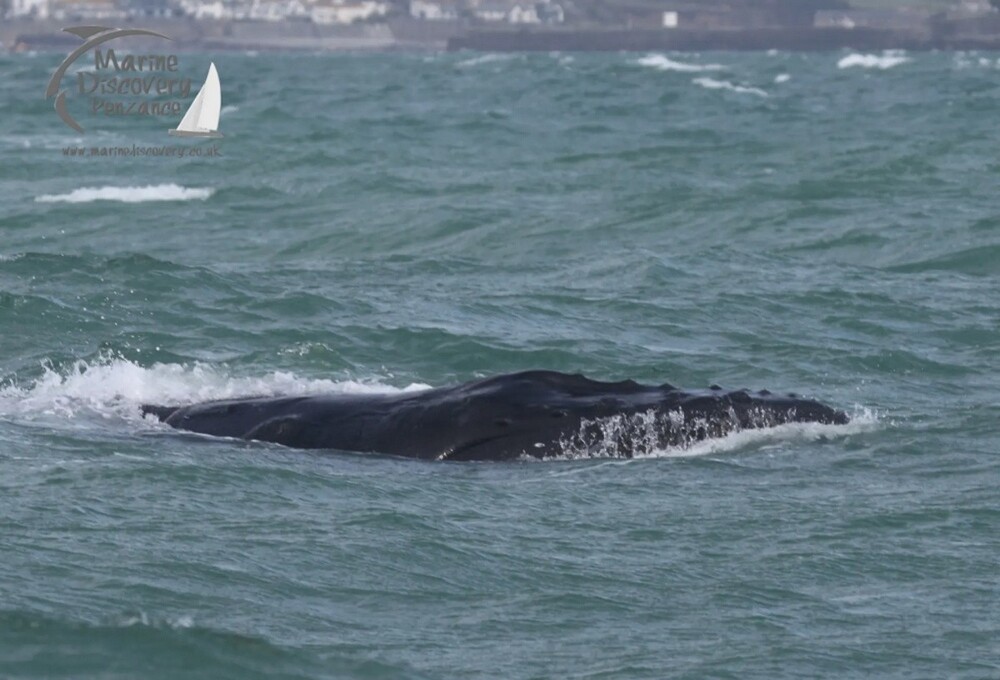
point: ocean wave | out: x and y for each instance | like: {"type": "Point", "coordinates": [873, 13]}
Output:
{"type": "Point", "coordinates": [229, 108]}
{"type": "Point", "coordinates": [886, 60]}
{"type": "Point", "coordinates": [976, 261]}
{"type": "Point", "coordinates": [712, 84]}
{"type": "Point", "coordinates": [782, 78]}
{"type": "Point", "coordinates": [963, 61]}
{"type": "Point", "coordinates": [662, 63]}
{"type": "Point", "coordinates": [175, 644]}
{"type": "Point", "coordinates": [157, 192]}
{"type": "Point", "coordinates": [115, 388]}
{"type": "Point", "coordinates": [485, 59]}
{"type": "Point", "coordinates": [39, 141]}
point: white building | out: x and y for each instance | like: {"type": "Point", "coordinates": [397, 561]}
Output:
{"type": "Point", "coordinates": [29, 8]}
{"type": "Point", "coordinates": [523, 14]}
{"type": "Point", "coordinates": [902, 19]}
{"type": "Point", "coordinates": [550, 12]}
{"type": "Point", "coordinates": [327, 12]}
{"type": "Point", "coordinates": [276, 10]}
{"type": "Point", "coordinates": [971, 8]}
{"type": "Point", "coordinates": [492, 11]}
{"type": "Point", "coordinates": [85, 10]}
{"type": "Point", "coordinates": [433, 11]}
{"type": "Point", "coordinates": [206, 10]}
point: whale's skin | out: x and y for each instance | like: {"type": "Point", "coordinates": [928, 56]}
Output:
{"type": "Point", "coordinates": [533, 414]}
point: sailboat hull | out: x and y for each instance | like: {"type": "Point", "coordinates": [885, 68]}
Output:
{"type": "Point", "coordinates": [211, 134]}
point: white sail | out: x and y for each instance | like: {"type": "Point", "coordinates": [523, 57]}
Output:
{"type": "Point", "coordinates": [202, 117]}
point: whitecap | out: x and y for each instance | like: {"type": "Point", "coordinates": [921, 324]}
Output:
{"type": "Point", "coordinates": [886, 60]}
{"type": "Point", "coordinates": [663, 63]}
{"type": "Point", "coordinates": [158, 192]}
{"type": "Point", "coordinates": [712, 84]}
{"type": "Point", "coordinates": [485, 59]}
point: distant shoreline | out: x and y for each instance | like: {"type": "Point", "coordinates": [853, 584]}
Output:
{"type": "Point", "coordinates": [405, 34]}
{"type": "Point", "coordinates": [756, 40]}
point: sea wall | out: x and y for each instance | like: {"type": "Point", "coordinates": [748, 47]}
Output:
{"type": "Point", "coordinates": [406, 33]}
{"type": "Point", "coordinates": [188, 34]}
{"type": "Point", "coordinates": [801, 39]}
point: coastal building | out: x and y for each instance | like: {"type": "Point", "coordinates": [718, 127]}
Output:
{"type": "Point", "coordinates": [276, 10]}
{"type": "Point", "coordinates": [158, 9]}
{"type": "Point", "coordinates": [207, 10]}
{"type": "Point", "coordinates": [523, 14]}
{"type": "Point", "coordinates": [433, 10]}
{"type": "Point", "coordinates": [519, 12]}
{"type": "Point", "coordinates": [968, 9]}
{"type": "Point", "coordinates": [742, 14]}
{"type": "Point", "coordinates": [218, 10]}
{"type": "Point", "coordinates": [900, 19]}
{"type": "Point", "coordinates": [334, 12]}
{"type": "Point", "coordinates": [491, 11]}
{"type": "Point", "coordinates": [28, 9]}
{"type": "Point", "coordinates": [550, 13]}
{"type": "Point", "coordinates": [85, 10]}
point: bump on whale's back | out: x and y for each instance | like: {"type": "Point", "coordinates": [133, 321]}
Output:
{"type": "Point", "coordinates": [562, 384]}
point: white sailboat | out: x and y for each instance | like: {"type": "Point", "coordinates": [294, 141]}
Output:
{"type": "Point", "coordinates": [202, 118]}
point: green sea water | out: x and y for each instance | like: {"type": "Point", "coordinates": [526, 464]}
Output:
{"type": "Point", "coordinates": [826, 224]}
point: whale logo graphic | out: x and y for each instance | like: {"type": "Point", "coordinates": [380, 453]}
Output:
{"type": "Point", "coordinates": [92, 37]}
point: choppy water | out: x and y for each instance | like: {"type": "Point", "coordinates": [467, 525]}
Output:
{"type": "Point", "coordinates": [826, 224]}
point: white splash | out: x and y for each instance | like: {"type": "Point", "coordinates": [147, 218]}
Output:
{"type": "Point", "coordinates": [712, 84]}
{"type": "Point", "coordinates": [158, 192]}
{"type": "Point", "coordinates": [782, 78]}
{"type": "Point", "coordinates": [888, 59]}
{"type": "Point", "coordinates": [662, 63]}
{"type": "Point", "coordinates": [115, 388]}
{"type": "Point", "coordinates": [229, 108]}
{"type": "Point", "coordinates": [141, 618]}
{"type": "Point", "coordinates": [862, 420]}
{"type": "Point", "coordinates": [964, 60]}
{"type": "Point", "coordinates": [485, 59]}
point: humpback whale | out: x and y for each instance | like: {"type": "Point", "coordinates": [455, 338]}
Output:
{"type": "Point", "coordinates": [537, 414]}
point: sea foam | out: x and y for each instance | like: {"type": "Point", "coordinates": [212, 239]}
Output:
{"type": "Point", "coordinates": [887, 60]}
{"type": "Point", "coordinates": [713, 84]}
{"type": "Point", "coordinates": [489, 58]}
{"type": "Point", "coordinates": [158, 192]}
{"type": "Point", "coordinates": [115, 388]}
{"type": "Point", "coordinates": [662, 63]}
